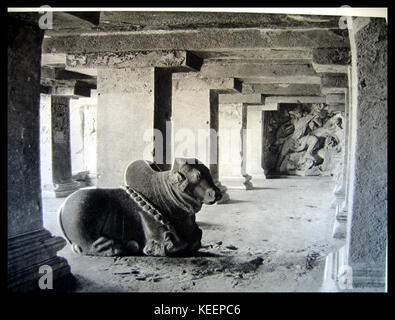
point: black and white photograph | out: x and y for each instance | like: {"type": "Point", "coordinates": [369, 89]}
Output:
{"type": "Point", "coordinates": [197, 150]}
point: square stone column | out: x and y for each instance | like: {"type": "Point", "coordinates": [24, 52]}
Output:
{"type": "Point", "coordinates": [367, 208]}
{"type": "Point", "coordinates": [254, 143]}
{"type": "Point", "coordinates": [62, 180]}
{"type": "Point", "coordinates": [232, 149]}
{"type": "Point", "coordinates": [125, 121]}
{"type": "Point", "coordinates": [30, 246]}
{"type": "Point", "coordinates": [195, 119]}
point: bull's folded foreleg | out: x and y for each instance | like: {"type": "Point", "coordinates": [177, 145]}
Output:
{"type": "Point", "coordinates": [161, 238]}
{"type": "Point", "coordinates": [109, 247]}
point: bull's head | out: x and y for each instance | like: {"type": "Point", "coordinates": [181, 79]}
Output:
{"type": "Point", "coordinates": [193, 181]}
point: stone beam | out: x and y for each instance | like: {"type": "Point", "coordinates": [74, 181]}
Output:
{"type": "Point", "coordinates": [329, 90]}
{"type": "Point", "coordinates": [62, 74]}
{"type": "Point", "coordinates": [263, 107]}
{"type": "Point", "coordinates": [53, 59]}
{"type": "Point", "coordinates": [255, 70]}
{"type": "Point", "coordinates": [203, 39]}
{"type": "Point", "coordinates": [129, 20]}
{"type": "Point", "coordinates": [337, 107]}
{"type": "Point", "coordinates": [241, 98]}
{"type": "Point", "coordinates": [249, 55]}
{"type": "Point", "coordinates": [335, 98]}
{"type": "Point", "coordinates": [328, 56]}
{"type": "Point", "coordinates": [175, 60]}
{"type": "Point", "coordinates": [79, 89]}
{"type": "Point", "coordinates": [330, 68]}
{"type": "Point", "coordinates": [294, 99]}
{"type": "Point", "coordinates": [282, 89]}
{"type": "Point", "coordinates": [284, 79]}
{"type": "Point", "coordinates": [196, 82]}
{"type": "Point", "coordinates": [334, 80]}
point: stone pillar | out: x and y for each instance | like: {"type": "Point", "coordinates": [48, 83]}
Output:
{"type": "Point", "coordinates": [162, 118]}
{"type": "Point", "coordinates": [125, 121]}
{"type": "Point", "coordinates": [340, 191]}
{"type": "Point", "coordinates": [232, 150]}
{"type": "Point", "coordinates": [55, 149]}
{"type": "Point", "coordinates": [30, 246]}
{"type": "Point", "coordinates": [195, 119]}
{"type": "Point", "coordinates": [254, 143]}
{"type": "Point", "coordinates": [61, 152]}
{"type": "Point", "coordinates": [365, 252]}
{"type": "Point", "coordinates": [367, 208]}
{"type": "Point", "coordinates": [83, 138]}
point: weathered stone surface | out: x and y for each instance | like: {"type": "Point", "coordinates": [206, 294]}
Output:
{"type": "Point", "coordinates": [338, 98]}
{"type": "Point", "coordinates": [337, 107]}
{"type": "Point", "coordinates": [367, 239]}
{"type": "Point", "coordinates": [232, 148]}
{"type": "Point", "coordinates": [296, 55]}
{"type": "Point", "coordinates": [26, 253]}
{"type": "Point", "coordinates": [54, 73]}
{"type": "Point", "coordinates": [75, 89]}
{"type": "Point", "coordinates": [330, 68]}
{"type": "Point", "coordinates": [196, 82]}
{"type": "Point", "coordinates": [334, 80]}
{"type": "Point", "coordinates": [74, 22]}
{"type": "Point", "coordinates": [203, 39]}
{"type": "Point", "coordinates": [326, 56]}
{"type": "Point", "coordinates": [255, 70]}
{"type": "Point", "coordinates": [24, 205]}
{"type": "Point", "coordinates": [329, 90]}
{"type": "Point", "coordinates": [176, 60]}
{"type": "Point", "coordinates": [295, 99]}
{"type": "Point", "coordinates": [125, 121]}
{"type": "Point", "coordinates": [254, 137]}
{"type": "Point", "coordinates": [272, 106]}
{"type": "Point", "coordinates": [241, 98]}
{"type": "Point", "coordinates": [282, 89]}
{"type": "Point", "coordinates": [291, 79]}
{"type": "Point", "coordinates": [53, 60]}
{"type": "Point", "coordinates": [193, 20]}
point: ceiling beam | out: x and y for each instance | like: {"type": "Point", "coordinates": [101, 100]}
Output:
{"type": "Point", "coordinates": [173, 60]}
{"type": "Point", "coordinates": [198, 40]}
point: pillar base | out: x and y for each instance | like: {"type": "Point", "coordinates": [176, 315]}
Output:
{"type": "Point", "coordinates": [363, 277]}
{"type": "Point", "coordinates": [368, 278]}
{"type": "Point", "coordinates": [238, 183]}
{"type": "Point", "coordinates": [27, 253]}
{"type": "Point", "coordinates": [61, 190]}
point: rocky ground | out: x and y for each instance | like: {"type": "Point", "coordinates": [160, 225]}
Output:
{"type": "Point", "coordinates": [273, 238]}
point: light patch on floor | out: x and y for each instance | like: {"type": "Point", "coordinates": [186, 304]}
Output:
{"type": "Point", "coordinates": [272, 238]}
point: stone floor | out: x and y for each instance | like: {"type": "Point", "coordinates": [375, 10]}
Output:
{"type": "Point", "coordinates": [273, 238]}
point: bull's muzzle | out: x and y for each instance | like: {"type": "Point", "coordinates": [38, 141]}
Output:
{"type": "Point", "coordinates": [212, 195]}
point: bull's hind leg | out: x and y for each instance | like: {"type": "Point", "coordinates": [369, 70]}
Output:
{"type": "Point", "coordinates": [109, 247]}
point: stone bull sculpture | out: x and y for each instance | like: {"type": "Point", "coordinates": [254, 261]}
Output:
{"type": "Point", "coordinates": [154, 214]}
